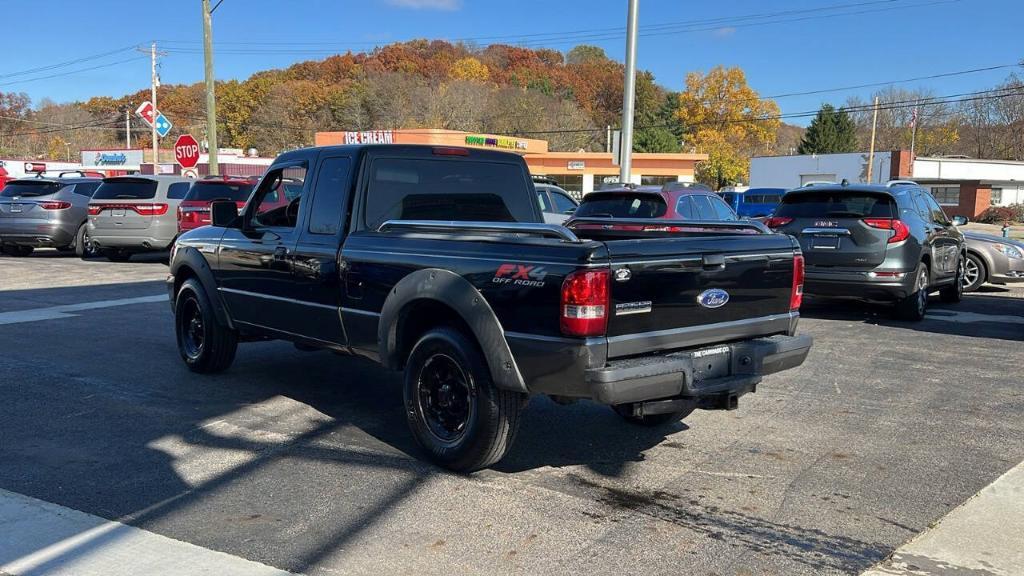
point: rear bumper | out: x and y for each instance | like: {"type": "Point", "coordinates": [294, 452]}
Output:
{"type": "Point", "coordinates": [37, 233]}
{"type": "Point", "coordinates": [858, 284]}
{"type": "Point", "coordinates": [735, 369]}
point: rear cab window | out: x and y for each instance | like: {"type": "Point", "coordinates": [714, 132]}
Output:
{"type": "Point", "coordinates": [30, 189]}
{"type": "Point", "coordinates": [428, 189]}
{"type": "Point", "coordinates": [210, 191]}
{"type": "Point", "coordinates": [622, 205]}
{"type": "Point", "coordinates": [837, 204]}
{"type": "Point", "coordinates": [126, 189]}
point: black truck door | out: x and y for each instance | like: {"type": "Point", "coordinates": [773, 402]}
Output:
{"type": "Point", "coordinates": [315, 259]}
{"type": "Point", "coordinates": [255, 270]}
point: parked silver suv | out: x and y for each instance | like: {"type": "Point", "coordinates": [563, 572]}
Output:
{"type": "Point", "coordinates": [133, 214]}
{"type": "Point", "coordinates": [45, 212]}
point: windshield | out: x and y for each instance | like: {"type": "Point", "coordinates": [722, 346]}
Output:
{"type": "Point", "coordinates": [621, 205]}
{"type": "Point", "coordinates": [836, 204]}
{"type": "Point", "coordinates": [209, 191]}
{"type": "Point", "coordinates": [127, 189]}
{"type": "Point", "coordinates": [28, 189]}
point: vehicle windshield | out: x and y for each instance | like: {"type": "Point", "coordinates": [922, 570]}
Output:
{"type": "Point", "coordinates": [209, 191]}
{"type": "Point", "coordinates": [30, 189]}
{"type": "Point", "coordinates": [621, 205]}
{"type": "Point", "coordinates": [126, 189]}
{"type": "Point", "coordinates": [836, 204]}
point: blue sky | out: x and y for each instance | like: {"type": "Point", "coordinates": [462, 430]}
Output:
{"type": "Point", "coordinates": [815, 45]}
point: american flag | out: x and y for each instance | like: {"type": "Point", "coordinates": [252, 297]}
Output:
{"type": "Point", "coordinates": [913, 117]}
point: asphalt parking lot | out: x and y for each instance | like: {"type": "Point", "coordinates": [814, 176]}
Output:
{"type": "Point", "coordinates": [302, 460]}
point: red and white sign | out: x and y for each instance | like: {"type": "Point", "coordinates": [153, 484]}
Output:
{"type": "Point", "coordinates": [186, 151]}
{"type": "Point", "coordinates": [146, 111]}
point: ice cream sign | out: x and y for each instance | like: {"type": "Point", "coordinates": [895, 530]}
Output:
{"type": "Point", "coordinates": [497, 142]}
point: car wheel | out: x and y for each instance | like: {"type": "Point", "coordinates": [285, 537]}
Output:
{"type": "Point", "coordinates": [117, 255]}
{"type": "Point", "coordinates": [975, 272]}
{"type": "Point", "coordinates": [914, 305]}
{"type": "Point", "coordinates": [83, 244]}
{"type": "Point", "coordinates": [955, 291]}
{"type": "Point", "coordinates": [454, 410]}
{"type": "Point", "coordinates": [652, 420]}
{"type": "Point", "coordinates": [205, 344]}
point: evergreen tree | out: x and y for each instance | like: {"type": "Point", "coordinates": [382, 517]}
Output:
{"type": "Point", "coordinates": [831, 131]}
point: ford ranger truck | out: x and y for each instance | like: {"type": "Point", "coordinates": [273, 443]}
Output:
{"type": "Point", "coordinates": [435, 261]}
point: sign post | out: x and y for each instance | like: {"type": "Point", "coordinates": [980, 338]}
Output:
{"type": "Point", "coordinates": [186, 151]}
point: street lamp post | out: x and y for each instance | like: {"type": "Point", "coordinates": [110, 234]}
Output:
{"type": "Point", "coordinates": [629, 95]}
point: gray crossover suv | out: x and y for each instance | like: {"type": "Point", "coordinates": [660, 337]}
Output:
{"type": "Point", "coordinates": [133, 214]}
{"type": "Point", "coordinates": [45, 212]}
{"type": "Point", "coordinates": [889, 243]}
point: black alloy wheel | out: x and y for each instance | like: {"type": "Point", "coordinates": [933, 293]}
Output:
{"type": "Point", "coordinates": [445, 401]}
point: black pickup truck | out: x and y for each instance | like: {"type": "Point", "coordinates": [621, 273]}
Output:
{"type": "Point", "coordinates": [435, 261]}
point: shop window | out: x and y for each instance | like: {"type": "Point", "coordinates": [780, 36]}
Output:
{"type": "Point", "coordinates": [571, 183]}
{"type": "Point", "coordinates": [997, 196]}
{"type": "Point", "coordinates": [946, 195]}
{"type": "Point", "coordinates": [657, 180]}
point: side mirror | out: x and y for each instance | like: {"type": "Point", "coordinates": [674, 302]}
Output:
{"type": "Point", "coordinates": [960, 220]}
{"type": "Point", "coordinates": [224, 213]}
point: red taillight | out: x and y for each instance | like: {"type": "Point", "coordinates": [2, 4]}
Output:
{"type": "Point", "coordinates": [584, 303]}
{"type": "Point", "coordinates": [900, 230]}
{"type": "Point", "coordinates": [777, 221]}
{"type": "Point", "coordinates": [53, 205]}
{"type": "Point", "coordinates": [796, 296]}
{"type": "Point", "coordinates": [95, 209]}
{"type": "Point", "coordinates": [150, 209]}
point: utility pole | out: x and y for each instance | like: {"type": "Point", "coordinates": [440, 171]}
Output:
{"type": "Point", "coordinates": [211, 96]}
{"type": "Point", "coordinates": [913, 133]}
{"type": "Point", "coordinates": [871, 153]}
{"type": "Point", "coordinates": [629, 94]}
{"type": "Point", "coordinates": [152, 89]}
{"type": "Point", "coordinates": [127, 130]}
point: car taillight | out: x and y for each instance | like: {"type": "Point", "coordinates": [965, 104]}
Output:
{"type": "Point", "coordinates": [54, 205]}
{"type": "Point", "coordinates": [584, 303]}
{"type": "Point", "coordinates": [900, 230]}
{"type": "Point", "coordinates": [777, 221]}
{"type": "Point", "coordinates": [95, 209]}
{"type": "Point", "coordinates": [796, 296]}
{"type": "Point", "coordinates": [150, 209]}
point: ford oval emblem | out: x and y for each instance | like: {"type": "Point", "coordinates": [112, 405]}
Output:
{"type": "Point", "coordinates": [713, 298]}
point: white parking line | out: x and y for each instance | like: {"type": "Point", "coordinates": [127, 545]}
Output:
{"type": "Point", "coordinates": [953, 316]}
{"type": "Point", "coordinates": [44, 538]}
{"type": "Point", "coordinates": [66, 311]}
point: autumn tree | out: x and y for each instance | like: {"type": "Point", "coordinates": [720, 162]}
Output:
{"type": "Point", "coordinates": [469, 68]}
{"type": "Point", "coordinates": [936, 127]}
{"type": "Point", "coordinates": [726, 119]}
{"type": "Point", "coordinates": [831, 131]}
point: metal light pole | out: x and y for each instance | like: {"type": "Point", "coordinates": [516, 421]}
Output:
{"type": "Point", "coordinates": [152, 86]}
{"type": "Point", "coordinates": [629, 94]}
{"type": "Point", "coordinates": [211, 96]}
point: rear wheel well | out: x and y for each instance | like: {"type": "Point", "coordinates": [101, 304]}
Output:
{"type": "Point", "coordinates": [418, 317]}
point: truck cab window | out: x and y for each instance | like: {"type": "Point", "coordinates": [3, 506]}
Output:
{"type": "Point", "coordinates": [278, 198]}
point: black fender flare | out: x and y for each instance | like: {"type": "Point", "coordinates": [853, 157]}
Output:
{"type": "Point", "coordinates": [189, 256]}
{"type": "Point", "coordinates": [456, 292]}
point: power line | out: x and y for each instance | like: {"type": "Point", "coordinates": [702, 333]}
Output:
{"type": "Point", "coordinates": [70, 72]}
{"type": "Point", "coordinates": [593, 34]}
{"type": "Point", "coordinates": [67, 63]}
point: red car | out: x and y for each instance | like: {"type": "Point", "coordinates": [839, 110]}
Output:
{"type": "Point", "coordinates": [671, 202]}
{"type": "Point", "coordinates": [194, 210]}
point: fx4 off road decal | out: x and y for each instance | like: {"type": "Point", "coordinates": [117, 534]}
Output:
{"type": "Point", "coordinates": [520, 275]}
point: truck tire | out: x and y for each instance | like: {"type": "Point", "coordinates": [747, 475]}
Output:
{"type": "Point", "coordinates": [955, 292]}
{"type": "Point", "coordinates": [915, 304]}
{"type": "Point", "coordinates": [651, 420]}
{"type": "Point", "coordinates": [205, 345]}
{"type": "Point", "coordinates": [453, 408]}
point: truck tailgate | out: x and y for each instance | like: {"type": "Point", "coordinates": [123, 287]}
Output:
{"type": "Point", "coordinates": [676, 292]}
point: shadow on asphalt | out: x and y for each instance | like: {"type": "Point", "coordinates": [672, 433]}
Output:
{"type": "Point", "coordinates": [980, 314]}
{"type": "Point", "coordinates": [53, 254]}
{"type": "Point", "coordinates": [101, 458]}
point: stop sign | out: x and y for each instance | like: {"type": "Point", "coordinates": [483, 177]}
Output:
{"type": "Point", "coordinates": [186, 151]}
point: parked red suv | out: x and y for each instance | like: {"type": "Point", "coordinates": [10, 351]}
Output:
{"type": "Point", "coordinates": [194, 210]}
